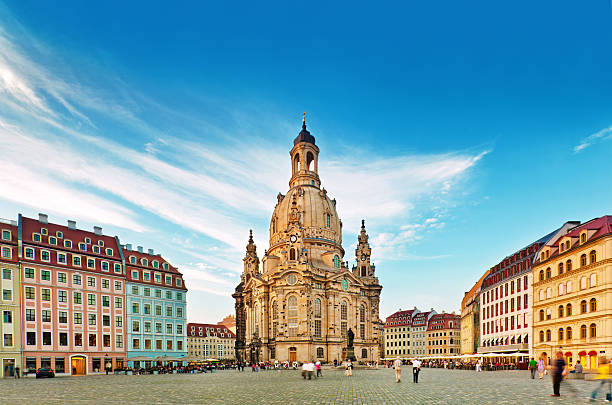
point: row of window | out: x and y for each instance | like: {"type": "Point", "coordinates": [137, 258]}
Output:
{"type": "Point", "coordinates": [585, 283]}
{"type": "Point", "coordinates": [145, 262]}
{"type": "Point", "coordinates": [76, 260]}
{"type": "Point", "coordinates": [77, 297]}
{"type": "Point", "coordinates": [53, 240]}
{"type": "Point", "coordinates": [77, 279]}
{"type": "Point", "coordinates": [499, 308]}
{"type": "Point", "coordinates": [62, 318]}
{"type": "Point", "coordinates": [561, 267]}
{"type": "Point", "coordinates": [157, 277]}
{"type": "Point", "coordinates": [567, 309]}
{"type": "Point", "coordinates": [500, 325]}
{"type": "Point", "coordinates": [508, 288]}
{"type": "Point", "coordinates": [566, 334]}
{"type": "Point", "coordinates": [62, 339]}
{"type": "Point", "coordinates": [158, 344]}
{"type": "Point", "coordinates": [158, 327]}
{"type": "Point", "coordinates": [146, 310]}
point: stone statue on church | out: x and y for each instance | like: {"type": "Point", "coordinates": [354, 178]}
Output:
{"type": "Point", "coordinates": [351, 336]}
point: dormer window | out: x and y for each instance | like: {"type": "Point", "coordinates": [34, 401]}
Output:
{"type": "Point", "coordinates": [132, 260]}
{"type": "Point", "coordinates": [6, 235]}
{"type": "Point", "coordinates": [82, 246]}
{"type": "Point", "coordinates": [109, 251]}
{"type": "Point", "coordinates": [36, 237]}
{"type": "Point", "coordinates": [68, 243]}
{"type": "Point", "coordinates": [583, 237]}
{"type": "Point", "coordinates": [155, 264]}
{"type": "Point", "coordinates": [52, 240]}
{"type": "Point", "coordinates": [59, 234]}
{"type": "Point", "coordinates": [43, 231]}
{"type": "Point", "coordinates": [100, 242]}
{"type": "Point", "coordinates": [165, 266]}
{"type": "Point", "coordinates": [95, 249]}
{"type": "Point", "coordinates": [144, 262]}
{"type": "Point", "coordinates": [88, 241]}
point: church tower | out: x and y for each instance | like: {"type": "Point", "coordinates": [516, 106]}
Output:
{"type": "Point", "coordinates": [251, 261]}
{"type": "Point", "coordinates": [304, 159]}
{"type": "Point", "coordinates": [363, 253]}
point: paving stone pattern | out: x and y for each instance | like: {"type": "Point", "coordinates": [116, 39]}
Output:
{"type": "Point", "coordinates": [436, 386]}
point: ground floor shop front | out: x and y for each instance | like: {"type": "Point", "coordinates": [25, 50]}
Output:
{"type": "Point", "coordinates": [10, 363]}
{"type": "Point", "coordinates": [73, 363]}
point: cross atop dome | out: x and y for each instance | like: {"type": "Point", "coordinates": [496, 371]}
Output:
{"type": "Point", "coordinates": [304, 135]}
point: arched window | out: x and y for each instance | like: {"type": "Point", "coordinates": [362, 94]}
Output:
{"type": "Point", "coordinates": [560, 268]}
{"type": "Point", "coordinates": [541, 314]}
{"type": "Point", "coordinates": [560, 337]}
{"type": "Point", "coordinates": [593, 305]}
{"type": "Point", "coordinates": [548, 335]}
{"type": "Point", "coordinates": [296, 163]}
{"type": "Point", "coordinates": [593, 256]}
{"type": "Point", "coordinates": [292, 254]}
{"type": "Point", "coordinates": [593, 281]}
{"type": "Point", "coordinates": [336, 261]}
{"type": "Point", "coordinates": [548, 273]}
{"type": "Point", "coordinates": [541, 336]}
{"type": "Point", "coordinates": [362, 313]}
{"type": "Point", "coordinates": [309, 159]}
{"type": "Point", "coordinates": [274, 225]}
{"type": "Point", "coordinates": [583, 282]}
{"type": "Point", "coordinates": [292, 315]}
{"type": "Point", "coordinates": [593, 328]}
{"type": "Point", "coordinates": [583, 238]}
{"type": "Point", "coordinates": [328, 220]}
{"type": "Point", "coordinates": [560, 289]}
{"type": "Point", "coordinates": [583, 332]}
{"type": "Point", "coordinates": [274, 310]}
{"type": "Point", "coordinates": [343, 310]}
{"type": "Point", "coordinates": [568, 310]}
{"type": "Point", "coordinates": [568, 265]}
{"type": "Point", "coordinates": [541, 275]}
{"type": "Point", "coordinates": [317, 308]}
{"type": "Point", "coordinates": [568, 333]}
{"type": "Point", "coordinates": [548, 314]}
{"type": "Point", "coordinates": [583, 306]}
{"type": "Point", "coordinates": [561, 311]}
{"type": "Point", "coordinates": [583, 260]}
{"type": "Point", "coordinates": [363, 271]}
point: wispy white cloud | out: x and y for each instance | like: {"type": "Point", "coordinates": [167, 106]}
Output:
{"type": "Point", "coordinates": [599, 136]}
{"type": "Point", "coordinates": [210, 184]}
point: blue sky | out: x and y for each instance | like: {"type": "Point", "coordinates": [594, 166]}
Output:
{"type": "Point", "coordinates": [461, 132]}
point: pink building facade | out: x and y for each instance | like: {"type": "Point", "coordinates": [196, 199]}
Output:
{"type": "Point", "coordinates": [73, 298]}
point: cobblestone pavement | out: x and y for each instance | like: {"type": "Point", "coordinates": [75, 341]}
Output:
{"type": "Point", "coordinates": [436, 386]}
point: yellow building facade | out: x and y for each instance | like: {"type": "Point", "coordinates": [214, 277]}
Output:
{"type": "Point", "coordinates": [470, 318]}
{"type": "Point", "coordinates": [572, 290]}
{"type": "Point", "coordinates": [301, 301]}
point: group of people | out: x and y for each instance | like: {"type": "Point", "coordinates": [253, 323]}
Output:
{"type": "Point", "coordinates": [309, 368]}
{"type": "Point", "coordinates": [559, 370]}
{"type": "Point", "coordinates": [416, 369]}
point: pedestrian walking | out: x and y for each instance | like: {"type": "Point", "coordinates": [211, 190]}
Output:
{"type": "Point", "coordinates": [349, 368]}
{"type": "Point", "coordinates": [397, 364]}
{"type": "Point", "coordinates": [541, 368]}
{"type": "Point", "coordinates": [533, 367]}
{"type": "Point", "coordinates": [318, 367]}
{"type": "Point", "coordinates": [416, 369]}
{"type": "Point", "coordinates": [558, 371]}
{"type": "Point", "coordinates": [17, 375]}
{"type": "Point", "coordinates": [603, 376]}
{"type": "Point", "coordinates": [479, 366]}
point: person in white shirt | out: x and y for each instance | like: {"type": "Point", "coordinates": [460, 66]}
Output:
{"type": "Point", "coordinates": [416, 368]}
{"type": "Point", "coordinates": [304, 370]}
{"type": "Point", "coordinates": [397, 364]}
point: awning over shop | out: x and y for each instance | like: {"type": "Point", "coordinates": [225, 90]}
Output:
{"type": "Point", "coordinates": [568, 354]}
{"type": "Point", "coordinates": [592, 353]}
{"type": "Point", "coordinates": [582, 353]}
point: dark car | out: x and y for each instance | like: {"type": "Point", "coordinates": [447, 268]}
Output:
{"type": "Point", "coordinates": [45, 373]}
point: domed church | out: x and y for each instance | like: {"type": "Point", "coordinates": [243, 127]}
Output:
{"type": "Point", "coordinates": [301, 301]}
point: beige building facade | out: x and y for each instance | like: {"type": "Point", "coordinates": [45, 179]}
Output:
{"type": "Point", "coordinates": [572, 288]}
{"type": "Point", "coordinates": [10, 288]}
{"type": "Point", "coordinates": [210, 342]}
{"type": "Point", "coordinates": [301, 301]}
{"type": "Point", "coordinates": [470, 318]}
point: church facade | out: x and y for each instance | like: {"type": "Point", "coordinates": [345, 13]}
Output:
{"type": "Point", "coordinates": [300, 301]}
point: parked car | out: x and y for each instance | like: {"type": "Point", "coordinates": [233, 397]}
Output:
{"type": "Point", "coordinates": [45, 373]}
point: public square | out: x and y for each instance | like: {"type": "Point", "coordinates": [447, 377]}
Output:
{"type": "Point", "coordinates": [436, 386]}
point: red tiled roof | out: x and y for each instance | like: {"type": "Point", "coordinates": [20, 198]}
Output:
{"type": "Point", "coordinates": [470, 294]}
{"type": "Point", "coordinates": [12, 243]}
{"type": "Point", "coordinates": [209, 329]}
{"type": "Point", "coordinates": [172, 271]}
{"type": "Point", "coordinates": [442, 321]}
{"type": "Point", "coordinates": [400, 318]}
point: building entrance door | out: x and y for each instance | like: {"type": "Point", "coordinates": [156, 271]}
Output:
{"type": "Point", "coordinates": [78, 365]}
{"type": "Point", "coordinates": [8, 365]}
{"type": "Point", "coordinates": [292, 354]}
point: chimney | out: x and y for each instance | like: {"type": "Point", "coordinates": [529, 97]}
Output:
{"type": "Point", "coordinates": [140, 250]}
{"type": "Point", "coordinates": [43, 218]}
{"type": "Point", "coordinates": [128, 246]}
{"type": "Point", "coordinates": [98, 230]}
{"type": "Point", "coordinates": [151, 252]}
{"type": "Point", "coordinates": [71, 224]}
